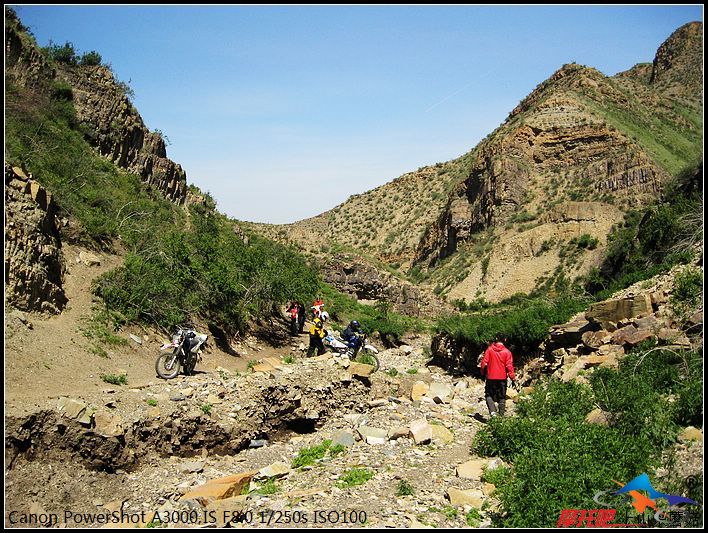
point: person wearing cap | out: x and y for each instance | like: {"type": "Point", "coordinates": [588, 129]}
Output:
{"type": "Point", "coordinates": [317, 333]}
{"type": "Point", "coordinates": [497, 364]}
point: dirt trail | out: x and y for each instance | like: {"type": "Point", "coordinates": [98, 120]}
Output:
{"type": "Point", "coordinates": [53, 357]}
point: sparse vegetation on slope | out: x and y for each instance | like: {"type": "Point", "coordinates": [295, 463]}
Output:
{"type": "Point", "coordinates": [559, 461]}
{"type": "Point", "coordinates": [653, 240]}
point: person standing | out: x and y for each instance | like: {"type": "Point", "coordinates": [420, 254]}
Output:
{"type": "Point", "coordinates": [300, 317]}
{"type": "Point", "coordinates": [317, 333]}
{"type": "Point", "coordinates": [497, 364]}
{"type": "Point", "coordinates": [294, 310]}
{"type": "Point", "coordinates": [317, 307]}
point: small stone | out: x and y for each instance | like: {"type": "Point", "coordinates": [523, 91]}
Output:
{"type": "Point", "coordinates": [459, 498]}
{"type": "Point", "coordinates": [420, 389]}
{"type": "Point", "coordinates": [278, 469]}
{"type": "Point", "coordinates": [192, 467]}
{"type": "Point", "coordinates": [442, 435]}
{"type": "Point", "coordinates": [598, 417]}
{"type": "Point", "coordinates": [108, 424]}
{"type": "Point", "coordinates": [343, 438]}
{"type": "Point", "coordinates": [71, 408]}
{"type": "Point", "coordinates": [471, 469]}
{"type": "Point", "coordinates": [421, 431]}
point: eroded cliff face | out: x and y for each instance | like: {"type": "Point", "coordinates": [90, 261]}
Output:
{"type": "Point", "coordinates": [109, 120]}
{"type": "Point", "coordinates": [678, 66]}
{"type": "Point", "coordinates": [554, 142]}
{"type": "Point", "coordinates": [117, 130]}
{"type": "Point", "coordinates": [363, 281]}
{"type": "Point", "coordinates": [33, 254]}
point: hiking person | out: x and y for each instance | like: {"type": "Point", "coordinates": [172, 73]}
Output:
{"type": "Point", "coordinates": [497, 364]}
{"type": "Point", "coordinates": [300, 317]}
{"type": "Point", "coordinates": [317, 333]}
{"type": "Point", "coordinates": [317, 307]}
{"type": "Point", "coordinates": [294, 310]}
{"type": "Point", "coordinates": [352, 335]}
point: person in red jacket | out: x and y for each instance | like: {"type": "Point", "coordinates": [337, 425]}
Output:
{"type": "Point", "coordinates": [497, 364]}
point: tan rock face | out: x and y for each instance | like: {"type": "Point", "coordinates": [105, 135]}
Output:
{"type": "Point", "coordinates": [365, 282]}
{"type": "Point", "coordinates": [33, 255]}
{"type": "Point", "coordinates": [119, 133]}
{"type": "Point", "coordinates": [112, 124]}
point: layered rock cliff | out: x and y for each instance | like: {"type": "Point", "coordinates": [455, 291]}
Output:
{"type": "Point", "coordinates": [33, 253]}
{"type": "Point", "coordinates": [489, 224]}
{"type": "Point", "coordinates": [553, 144]}
{"type": "Point", "coordinates": [109, 120]}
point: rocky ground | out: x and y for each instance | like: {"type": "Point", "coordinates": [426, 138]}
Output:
{"type": "Point", "coordinates": [265, 437]}
{"type": "Point", "coordinates": [160, 448]}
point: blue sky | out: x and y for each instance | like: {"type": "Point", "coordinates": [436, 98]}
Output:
{"type": "Point", "coordinates": [283, 112]}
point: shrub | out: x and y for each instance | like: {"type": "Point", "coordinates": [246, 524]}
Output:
{"type": "Point", "coordinates": [113, 379]}
{"type": "Point", "coordinates": [404, 488]}
{"type": "Point", "coordinates": [687, 290]}
{"type": "Point", "coordinates": [63, 54]}
{"type": "Point", "coordinates": [91, 58]}
{"type": "Point", "coordinates": [354, 477]}
{"type": "Point", "coordinates": [308, 456]}
{"type": "Point", "coordinates": [206, 408]}
{"type": "Point", "coordinates": [269, 487]}
{"type": "Point", "coordinates": [525, 325]}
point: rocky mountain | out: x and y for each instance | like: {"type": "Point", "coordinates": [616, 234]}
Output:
{"type": "Point", "coordinates": [103, 107]}
{"type": "Point", "coordinates": [564, 167]}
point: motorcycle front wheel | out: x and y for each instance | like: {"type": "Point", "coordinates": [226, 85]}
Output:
{"type": "Point", "coordinates": [367, 358]}
{"type": "Point", "coordinates": [167, 365]}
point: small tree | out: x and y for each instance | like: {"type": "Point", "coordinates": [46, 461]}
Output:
{"type": "Point", "coordinates": [91, 58]}
{"type": "Point", "coordinates": [64, 54]}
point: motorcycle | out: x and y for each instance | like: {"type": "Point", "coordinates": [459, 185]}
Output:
{"type": "Point", "coordinates": [185, 353]}
{"type": "Point", "coordinates": [365, 353]}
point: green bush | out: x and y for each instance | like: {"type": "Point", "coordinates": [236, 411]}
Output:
{"type": "Point", "coordinates": [309, 455]}
{"type": "Point", "coordinates": [354, 477]}
{"type": "Point", "coordinates": [65, 53]}
{"type": "Point", "coordinates": [559, 461]}
{"type": "Point", "coordinates": [91, 58]}
{"type": "Point", "coordinates": [207, 271]}
{"type": "Point", "coordinates": [687, 290]}
{"type": "Point", "coordinates": [404, 488]}
{"type": "Point", "coordinates": [114, 379]}
{"type": "Point", "coordinates": [525, 325]}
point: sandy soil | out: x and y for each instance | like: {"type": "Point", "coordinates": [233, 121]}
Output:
{"type": "Point", "coordinates": [51, 357]}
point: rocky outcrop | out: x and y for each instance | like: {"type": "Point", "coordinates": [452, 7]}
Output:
{"type": "Point", "coordinates": [363, 281]}
{"type": "Point", "coordinates": [117, 130]}
{"type": "Point", "coordinates": [109, 120]}
{"type": "Point", "coordinates": [598, 336]}
{"type": "Point", "coordinates": [678, 66]}
{"type": "Point", "coordinates": [23, 60]}
{"type": "Point", "coordinates": [607, 330]}
{"type": "Point", "coordinates": [33, 255]}
{"type": "Point", "coordinates": [553, 142]}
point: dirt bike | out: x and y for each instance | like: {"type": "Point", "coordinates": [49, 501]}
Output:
{"type": "Point", "coordinates": [365, 353]}
{"type": "Point", "coordinates": [185, 353]}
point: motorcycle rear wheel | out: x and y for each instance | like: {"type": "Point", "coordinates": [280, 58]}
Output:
{"type": "Point", "coordinates": [167, 365]}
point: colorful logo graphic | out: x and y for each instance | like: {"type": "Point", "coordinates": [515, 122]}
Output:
{"type": "Point", "coordinates": [641, 502]}
{"type": "Point", "coordinates": [672, 515]}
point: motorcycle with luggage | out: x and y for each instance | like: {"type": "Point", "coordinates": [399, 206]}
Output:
{"type": "Point", "coordinates": [183, 352]}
